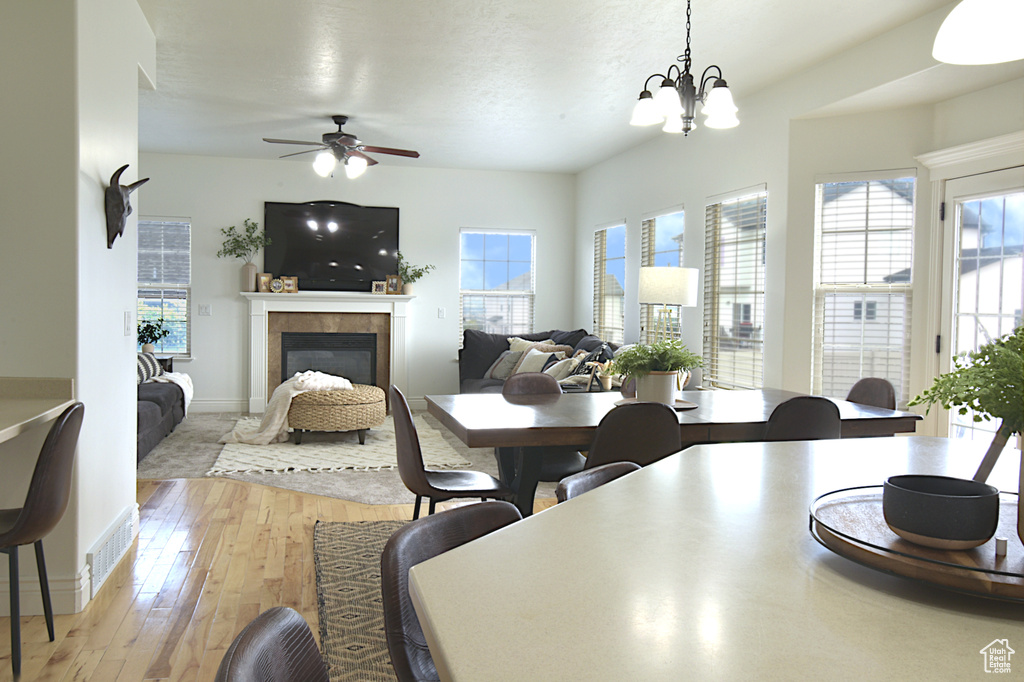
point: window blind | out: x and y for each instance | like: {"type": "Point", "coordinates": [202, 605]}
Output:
{"type": "Point", "coordinates": [164, 276]}
{"type": "Point", "coordinates": [496, 282]}
{"type": "Point", "coordinates": [609, 271]}
{"type": "Point", "coordinates": [863, 277]}
{"type": "Point", "coordinates": [734, 292]}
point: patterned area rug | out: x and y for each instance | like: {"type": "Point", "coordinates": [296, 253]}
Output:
{"type": "Point", "coordinates": [326, 452]}
{"type": "Point", "coordinates": [347, 558]}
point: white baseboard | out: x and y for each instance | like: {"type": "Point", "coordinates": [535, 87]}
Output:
{"type": "Point", "coordinates": [68, 595]}
{"type": "Point", "coordinates": [417, 404]}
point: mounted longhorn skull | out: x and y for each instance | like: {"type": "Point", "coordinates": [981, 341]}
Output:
{"type": "Point", "coordinates": [118, 208]}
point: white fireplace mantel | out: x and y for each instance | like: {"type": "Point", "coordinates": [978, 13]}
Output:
{"type": "Point", "coordinates": [260, 305]}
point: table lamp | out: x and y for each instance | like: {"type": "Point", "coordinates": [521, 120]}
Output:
{"type": "Point", "coordinates": [667, 286]}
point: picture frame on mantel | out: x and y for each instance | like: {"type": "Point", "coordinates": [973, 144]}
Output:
{"type": "Point", "coordinates": [380, 287]}
{"type": "Point", "coordinates": [291, 285]}
{"type": "Point", "coordinates": [263, 282]}
{"type": "Point", "coordinates": [394, 284]}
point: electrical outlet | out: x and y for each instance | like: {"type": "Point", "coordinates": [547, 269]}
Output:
{"type": "Point", "coordinates": [440, 313]}
{"type": "Point", "coordinates": [128, 331]}
{"type": "Point", "coordinates": [204, 310]}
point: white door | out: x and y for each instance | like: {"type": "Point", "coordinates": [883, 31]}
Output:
{"type": "Point", "coordinates": [983, 290]}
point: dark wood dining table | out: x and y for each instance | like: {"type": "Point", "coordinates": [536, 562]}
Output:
{"type": "Point", "coordinates": [720, 416]}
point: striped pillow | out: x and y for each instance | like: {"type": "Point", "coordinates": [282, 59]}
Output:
{"type": "Point", "coordinates": [147, 367]}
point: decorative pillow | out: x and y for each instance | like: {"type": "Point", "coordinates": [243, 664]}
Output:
{"type": "Point", "coordinates": [147, 367]}
{"type": "Point", "coordinates": [599, 355]}
{"type": "Point", "coordinates": [533, 361]}
{"type": "Point", "coordinates": [516, 343]}
{"type": "Point", "coordinates": [545, 348]}
{"type": "Point", "coordinates": [570, 338]}
{"type": "Point", "coordinates": [562, 368]}
{"type": "Point", "coordinates": [504, 365]}
{"type": "Point", "coordinates": [588, 343]}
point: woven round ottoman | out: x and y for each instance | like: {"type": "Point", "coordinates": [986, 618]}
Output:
{"type": "Point", "coordinates": [358, 409]}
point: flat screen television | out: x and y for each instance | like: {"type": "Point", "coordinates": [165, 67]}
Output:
{"type": "Point", "coordinates": [331, 245]}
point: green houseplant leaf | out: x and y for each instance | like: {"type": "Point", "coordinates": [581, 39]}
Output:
{"type": "Point", "coordinates": [244, 245]}
{"type": "Point", "coordinates": [663, 356]}
{"type": "Point", "coordinates": [152, 331]}
{"type": "Point", "coordinates": [409, 273]}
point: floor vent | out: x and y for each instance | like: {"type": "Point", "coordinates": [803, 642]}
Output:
{"type": "Point", "coordinates": [109, 551]}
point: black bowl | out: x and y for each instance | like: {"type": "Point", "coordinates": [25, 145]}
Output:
{"type": "Point", "coordinates": [940, 511]}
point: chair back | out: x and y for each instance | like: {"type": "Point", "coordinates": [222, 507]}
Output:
{"type": "Point", "coordinates": [873, 391]}
{"type": "Point", "coordinates": [50, 488]}
{"type": "Point", "coordinates": [276, 646]}
{"type": "Point", "coordinates": [588, 479]}
{"type": "Point", "coordinates": [407, 443]}
{"type": "Point", "coordinates": [628, 388]}
{"type": "Point", "coordinates": [805, 417]}
{"type": "Point", "coordinates": [530, 383]}
{"type": "Point", "coordinates": [635, 432]}
{"type": "Point", "coordinates": [414, 543]}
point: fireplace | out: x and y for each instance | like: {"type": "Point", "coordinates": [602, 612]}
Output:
{"type": "Point", "coordinates": [349, 355]}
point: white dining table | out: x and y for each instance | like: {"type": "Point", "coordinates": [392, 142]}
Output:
{"type": "Point", "coordinates": [701, 566]}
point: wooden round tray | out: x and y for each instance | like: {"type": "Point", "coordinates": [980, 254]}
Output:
{"type": "Point", "coordinates": [850, 523]}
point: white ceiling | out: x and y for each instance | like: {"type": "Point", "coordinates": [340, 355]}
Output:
{"type": "Point", "coordinates": [539, 85]}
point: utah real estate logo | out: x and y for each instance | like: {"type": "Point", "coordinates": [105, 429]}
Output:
{"type": "Point", "coordinates": [997, 656]}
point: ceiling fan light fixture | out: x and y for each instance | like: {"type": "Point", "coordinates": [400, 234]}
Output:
{"type": "Point", "coordinates": [324, 163]}
{"type": "Point", "coordinates": [981, 32]}
{"type": "Point", "coordinates": [645, 113]}
{"type": "Point", "coordinates": [354, 167]}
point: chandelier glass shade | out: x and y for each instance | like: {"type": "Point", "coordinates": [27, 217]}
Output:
{"type": "Point", "coordinates": [981, 32]}
{"type": "Point", "coordinates": [675, 102]}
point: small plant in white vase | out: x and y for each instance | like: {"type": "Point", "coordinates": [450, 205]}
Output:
{"type": "Point", "coordinates": [151, 332]}
{"type": "Point", "coordinates": [659, 368]}
{"type": "Point", "coordinates": [244, 245]}
{"type": "Point", "coordinates": [409, 273]}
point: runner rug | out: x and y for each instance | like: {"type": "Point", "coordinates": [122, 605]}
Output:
{"type": "Point", "coordinates": [326, 452]}
{"type": "Point", "coordinates": [347, 560]}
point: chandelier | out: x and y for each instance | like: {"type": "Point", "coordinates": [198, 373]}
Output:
{"type": "Point", "coordinates": [675, 103]}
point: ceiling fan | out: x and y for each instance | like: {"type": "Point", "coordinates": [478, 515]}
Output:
{"type": "Point", "coordinates": [342, 147]}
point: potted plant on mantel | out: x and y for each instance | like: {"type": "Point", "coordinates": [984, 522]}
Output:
{"type": "Point", "coordinates": [990, 383]}
{"type": "Point", "coordinates": [150, 332]}
{"type": "Point", "coordinates": [244, 245]}
{"type": "Point", "coordinates": [410, 273]}
{"type": "Point", "coordinates": [659, 368]}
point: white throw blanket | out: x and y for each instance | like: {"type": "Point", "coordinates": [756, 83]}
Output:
{"type": "Point", "coordinates": [183, 381]}
{"type": "Point", "coordinates": [274, 426]}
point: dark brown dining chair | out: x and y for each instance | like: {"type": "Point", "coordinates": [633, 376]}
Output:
{"type": "Point", "coordinates": [805, 417]}
{"type": "Point", "coordinates": [588, 479]}
{"type": "Point", "coordinates": [628, 388]}
{"type": "Point", "coordinates": [276, 646]}
{"type": "Point", "coordinates": [635, 432]}
{"type": "Point", "coordinates": [873, 391]}
{"type": "Point", "coordinates": [437, 486]}
{"type": "Point", "coordinates": [557, 461]}
{"type": "Point", "coordinates": [414, 543]}
{"type": "Point", "coordinates": [45, 504]}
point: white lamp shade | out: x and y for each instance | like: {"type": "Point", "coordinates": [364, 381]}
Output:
{"type": "Point", "coordinates": [645, 113]}
{"type": "Point", "coordinates": [720, 109]}
{"type": "Point", "coordinates": [668, 286]}
{"type": "Point", "coordinates": [355, 166]}
{"type": "Point", "coordinates": [667, 101]}
{"type": "Point", "coordinates": [673, 124]}
{"type": "Point", "coordinates": [981, 32]}
{"type": "Point", "coordinates": [324, 163]}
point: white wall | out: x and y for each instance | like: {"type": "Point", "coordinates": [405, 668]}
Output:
{"type": "Point", "coordinates": [68, 119]}
{"type": "Point", "coordinates": [775, 146]}
{"type": "Point", "coordinates": [434, 203]}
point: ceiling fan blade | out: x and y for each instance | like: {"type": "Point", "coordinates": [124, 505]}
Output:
{"type": "Point", "coordinates": [389, 150]}
{"type": "Point", "coordinates": [276, 141]}
{"type": "Point", "coordinates": [369, 161]}
{"type": "Point", "coordinates": [304, 151]}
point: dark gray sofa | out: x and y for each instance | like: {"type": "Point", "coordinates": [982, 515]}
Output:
{"type": "Point", "coordinates": [480, 350]}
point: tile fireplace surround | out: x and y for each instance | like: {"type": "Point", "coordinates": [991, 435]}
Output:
{"type": "Point", "coordinates": [322, 302]}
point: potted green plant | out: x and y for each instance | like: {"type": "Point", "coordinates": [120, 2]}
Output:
{"type": "Point", "coordinates": [409, 273]}
{"type": "Point", "coordinates": [150, 332]}
{"type": "Point", "coordinates": [244, 245]}
{"type": "Point", "coordinates": [659, 368]}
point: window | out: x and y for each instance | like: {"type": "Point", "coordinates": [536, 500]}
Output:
{"type": "Point", "coordinates": [609, 275]}
{"type": "Point", "coordinates": [734, 291]}
{"type": "Point", "coordinates": [863, 257]}
{"type": "Point", "coordinates": [165, 280]}
{"type": "Point", "coordinates": [661, 245]}
{"type": "Point", "coordinates": [496, 282]}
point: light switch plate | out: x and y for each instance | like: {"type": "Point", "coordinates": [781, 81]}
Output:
{"type": "Point", "coordinates": [204, 310]}
{"type": "Point", "coordinates": [127, 323]}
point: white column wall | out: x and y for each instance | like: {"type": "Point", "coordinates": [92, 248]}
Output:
{"type": "Point", "coordinates": [434, 204]}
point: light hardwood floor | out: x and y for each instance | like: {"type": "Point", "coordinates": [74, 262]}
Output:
{"type": "Point", "coordinates": [211, 555]}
